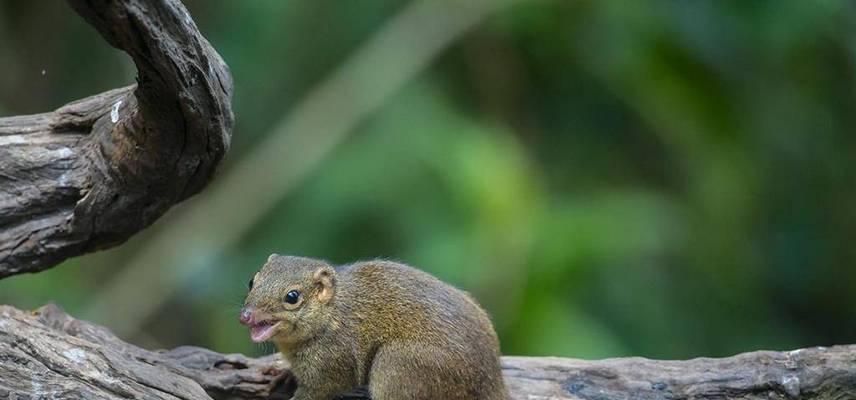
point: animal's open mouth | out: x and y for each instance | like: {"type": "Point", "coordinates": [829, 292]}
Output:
{"type": "Point", "coordinates": [262, 331]}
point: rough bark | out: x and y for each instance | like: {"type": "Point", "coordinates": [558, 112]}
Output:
{"type": "Point", "coordinates": [47, 354]}
{"type": "Point", "coordinates": [94, 172]}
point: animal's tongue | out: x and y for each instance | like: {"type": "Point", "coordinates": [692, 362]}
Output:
{"type": "Point", "coordinates": [261, 332]}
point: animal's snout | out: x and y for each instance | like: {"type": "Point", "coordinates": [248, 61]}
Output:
{"type": "Point", "coordinates": [246, 316]}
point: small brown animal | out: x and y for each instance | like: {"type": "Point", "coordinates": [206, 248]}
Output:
{"type": "Point", "coordinates": [400, 331]}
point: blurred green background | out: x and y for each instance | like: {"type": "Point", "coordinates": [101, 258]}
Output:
{"type": "Point", "coordinates": [666, 179]}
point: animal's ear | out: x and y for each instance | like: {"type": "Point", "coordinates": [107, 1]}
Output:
{"type": "Point", "coordinates": [325, 279]}
{"type": "Point", "coordinates": [272, 256]}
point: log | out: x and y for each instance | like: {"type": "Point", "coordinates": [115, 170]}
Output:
{"type": "Point", "coordinates": [94, 172]}
{"type": "Point", "coordinates": [47, 354]}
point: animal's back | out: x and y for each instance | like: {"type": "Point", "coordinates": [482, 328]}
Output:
{"type": "Point", "coordinates": [402, 312]}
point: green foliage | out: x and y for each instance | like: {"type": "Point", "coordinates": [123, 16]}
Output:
{"type": "Point", "coordinates": [666, 179]}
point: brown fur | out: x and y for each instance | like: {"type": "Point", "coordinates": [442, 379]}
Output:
{"type": "Point", "coordinates": [402, 332]}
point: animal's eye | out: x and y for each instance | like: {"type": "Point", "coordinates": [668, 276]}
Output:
{"type": "Point", "coordinates": [250, 284]}
{"type": "Point", "coordinates": [292, 296]}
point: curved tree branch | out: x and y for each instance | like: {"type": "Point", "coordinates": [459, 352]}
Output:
{"type": "Point", "coordinates": [48, 354]}
{"type": "Point", "coordinates": [94, 172]}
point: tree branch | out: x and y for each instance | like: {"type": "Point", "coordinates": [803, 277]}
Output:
{"type": "Point", "coordinates": [48, 354]}
{"type": "Point", "coordinates": [94, 172]}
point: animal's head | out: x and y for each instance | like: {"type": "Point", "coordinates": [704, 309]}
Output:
{"type": "Point", "coordinates": [289, 300]}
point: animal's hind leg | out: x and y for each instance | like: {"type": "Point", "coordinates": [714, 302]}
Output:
{"type": "Point", "coordinates": [403, 371]}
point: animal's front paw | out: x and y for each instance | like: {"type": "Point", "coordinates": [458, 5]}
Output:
{"type": "Point", "coordinates": [281, 384]}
